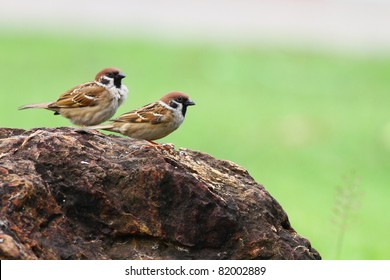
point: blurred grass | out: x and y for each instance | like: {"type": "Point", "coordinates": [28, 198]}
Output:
{"type": "Point", "coordinates": [298, 121]}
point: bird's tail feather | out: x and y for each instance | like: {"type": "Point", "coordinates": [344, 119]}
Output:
{"type": "Point", "coordinates": [99, 126]}
{"type": "Point", "coordinates": [38, 105]}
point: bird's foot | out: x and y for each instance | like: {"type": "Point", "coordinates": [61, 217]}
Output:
{"type": "Point", "coordinates": [165, 148]}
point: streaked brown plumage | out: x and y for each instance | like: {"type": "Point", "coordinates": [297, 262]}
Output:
{"type": "Point", "coordinates": [153, 121]}
{"type": "Point", "coordinates": [90, 103]}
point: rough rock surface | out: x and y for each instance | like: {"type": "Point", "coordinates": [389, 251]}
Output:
{"type": "Point", "coordinates": [72, 195]}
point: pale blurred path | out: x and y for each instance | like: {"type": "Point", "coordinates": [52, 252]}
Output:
{"type": "Point", "coordinates": [352, 25]}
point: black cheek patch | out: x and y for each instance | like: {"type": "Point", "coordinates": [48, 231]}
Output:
{"type": "Point", "coordinates": [173, 104]}
{"type": "Point", "coordinates": [105, 81]}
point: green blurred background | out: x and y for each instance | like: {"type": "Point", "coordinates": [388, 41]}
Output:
{"type": "Point", "coordinates": [299, 119]}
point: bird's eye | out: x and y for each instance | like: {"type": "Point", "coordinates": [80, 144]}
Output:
{"type": "Point", "coordinates": [180, 99]}
{"type": "Point", "coordinates": [110, 75]}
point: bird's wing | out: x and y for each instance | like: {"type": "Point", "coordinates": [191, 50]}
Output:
{"type": "Point", "coordinates": [152, 113]}
{"type": "Point", "coordinates": [80, 96]}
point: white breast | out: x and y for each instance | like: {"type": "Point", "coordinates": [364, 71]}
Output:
{"type": "Point", "coordinates": [119, 94]}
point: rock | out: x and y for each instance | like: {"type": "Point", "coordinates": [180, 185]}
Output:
{"type": "Point", "coordinates": [70, 194]}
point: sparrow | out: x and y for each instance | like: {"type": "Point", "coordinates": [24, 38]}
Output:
{"type": "Point", "coordinates": [152, 121]}
{"type": "Point", "coordinates": [90, 103]}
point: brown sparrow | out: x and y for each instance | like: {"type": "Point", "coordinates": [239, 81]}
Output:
{"type": "Point", "coordinates": [91, 103]}
{"type": "Point", "coordinates": [153, 121]}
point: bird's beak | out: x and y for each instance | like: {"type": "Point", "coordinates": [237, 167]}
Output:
{"type": "Point", "coordinates": [120, 75]}
{"type": "Point", "coordinates": [189, 102]}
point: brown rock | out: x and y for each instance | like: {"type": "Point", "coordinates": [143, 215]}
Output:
{"type": "Point", "coordinates": [67, 194]}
